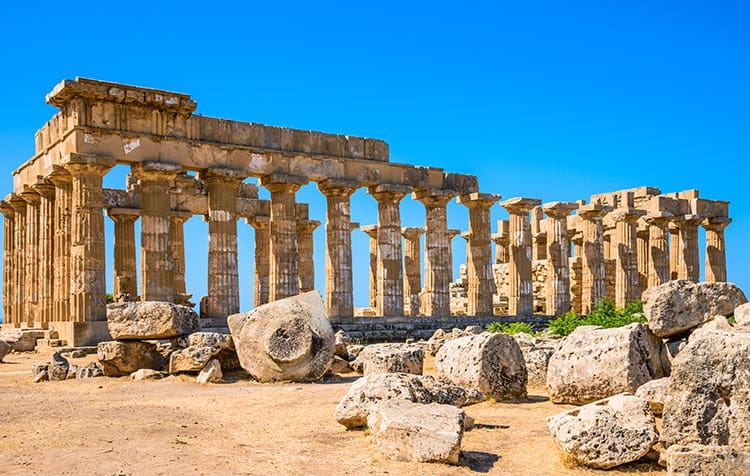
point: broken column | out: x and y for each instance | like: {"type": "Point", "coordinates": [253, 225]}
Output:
{"type": "Point", "coordinates": [593, 288]}
{"type": "Point", "coordinates": [435, 298]}
{"type": "Point", "coordinates": [412, 269]}
{"type": "Point", "coordinates": [372, 232]}
{"type": "Point", "coordinates": [658, 248]}
{"type": "Point", "coordinates": [261, 269]}
{"type": "Point", "coordinates": [284, 272]}
{"type": "Point", "coordinates": [558, 271]}
{"type": "Point", "coordinates": [520, 299]}
{"type": "Point", "coordinates": [716, 259]}
{"type": "Point", "coordinates": [46, 193]}
{"type": "Point", "coordinates": [390, 259]}
{"type": "Point", "coordinates": [479, 252]}
{"type": "Point", "coordinates": [339, 297]}
{"type": "Point", "coordinates": [125, 280]}
{"type": "Point", "coordinates": [223, 297]}
{"type": "Point", "coordinates": [626, 260]}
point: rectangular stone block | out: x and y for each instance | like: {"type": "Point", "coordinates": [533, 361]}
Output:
{"type": "Point", "coordinates": [82, 333]}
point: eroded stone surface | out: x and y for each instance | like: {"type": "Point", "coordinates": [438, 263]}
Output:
{"type": "Point", "coordinates": [655, 393]}
{"type": "Point", "coordinates": [742, 314]}
{"type": "Point", "coordinates": [118, 358]}
{"type": "Point", "coordinates": [707, 460]}
{"type": "Point", "coordinates": [391, 358]}
{"type": "Point", "coordinates": [211, 373]}
{"type": "Point", "coordinates": [150, 320]}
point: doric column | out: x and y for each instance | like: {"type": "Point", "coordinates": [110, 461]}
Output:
{"type": "Point", "coordinates": [339, 295]}
{"type": "Point", "coordinates": [626, 261]}
{"type": "Point", "coordinates": [62, 244]}
{"type": "Point", "coordinates": [390, 300]}
{"type": "Point", "coordinates": [18, 294]}
{"type": "Point", "coordinates": [412, 269]}
{"type": "Point", "coordinates": [223, 297]}
{"type": "Point", "coordinates": [125, 279]}
{"type": "Point", "coordinates": [305, 259]}
{"type": "Point", "coordinates": [157, 266]}
{"type": "Point", "coordinates": [608, 242]}
{"type": "Point", "coordinates": [177, 231]}
{"type": "Point", "coordinates": [558, 267]}
{"type": "Point", "coordinates": [642, 232]}
{"type": "Point", "coordinates": [372, 232]}
{"type": "Point", "coordinates": [501, 240]}
{"type": "Point", "coordinates": [31, 286]}
{"type": "Point", "coordinates": [538, 235]}
{"type": "Point", "coordinates": [593, 285]}
{"type": "Point", "coordinates": [689, 265]}
{"type": "Point", "coordinates": [435, 297]}
{"type": "Point", "coordinates": [716, 258]}
{"type": "Point", "coordinates": [658, 248]}
{"type": "Point", "coordinates": [88, 283]}
{"type": "Point", "coordinates": [8, 253]}
{"type": "Point", "coordinates": [577, 243]}
{"type": "Point", "coordinates": [262, 267]}
{"type": "Point", "coordinates": [675, 248]}
{"type": "Point", "coordinates": [284, 274]}
{"type": "Point", "coordinates": [479, 252]}
{"type": "Point", "coordinates": [520, 299]}
{"type": "Point", "coordinates": [452, 233]}
{"type": "Point", "coordinates": [46, 193]}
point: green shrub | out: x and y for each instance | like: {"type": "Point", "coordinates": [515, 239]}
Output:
{"type": "Point", "coordinates": [605, 314]}
{"type": "Point", "coordinates": [511, 328]}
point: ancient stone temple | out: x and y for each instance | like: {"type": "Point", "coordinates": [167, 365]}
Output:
{"type": "Point", "coordinates": [548, 258]}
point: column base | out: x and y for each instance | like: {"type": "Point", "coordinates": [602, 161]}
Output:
{"type": "Point", "coordinates": [78, 334]}
{"type": "Point", "coordinates": [7, 325]}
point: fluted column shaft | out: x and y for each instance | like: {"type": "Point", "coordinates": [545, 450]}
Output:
{"type": "Point", "coordinates": [674, 251]}
{"type": "Point", "coordinates": [658, 249]}
{"type": "Point", "coordinates": [626, 261]}
{"type": "Point", "coordinates": [19, 261]}
{"type": "Point", "coordinates": [435, 297]}
{"type": "Point", "coordinates": [479, 253]}
{"type": "Point", "coordinates": [32, 285]}
{"type": "Point", "coordinates": [412, 269]}
{"type": "Point", "coordinates": [390, 300]}
{"type": "Point", "coordinates": [716, 258]}
{"type": "Point", "coordinates": [689, 265]}
{"type": "Point", "coordinates": [261, 270]}
{"type": "Point", "coordinates": [223, 297]}
{"type": "Point", "coordinates": [372, 232]}
{"type": "Point", "coordinates": [177, 230]}
{"type": "Point", "coordinates": [593, 284]}
{"type": "Point", "coordinates": [62, 245]}
{"type": "Point", "coordinates": [8, 252]}
{"type": "Point", "coordinates": [125, 280]}
{"type": "Point", "coordinates": [339, 280]}
{"type": "Point", "coordinates": [520, 299]}
{"type": "Point", "coordinates": [46, 193]}
{"type": "Point", "coordinates": [305, 254]}
{"type": "Point", "coordinates": [642, 239]}
{"type": "Point", "coordinates": [88, 282]}
{"type": "Point", "coordinates": [557, 286]}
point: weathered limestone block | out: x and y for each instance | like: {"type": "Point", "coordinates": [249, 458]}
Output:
{"type": "Point", "coordinates": [4, 349]}
{"type": "Point", "coordinates": [58, 368]}
{"type": "Point", "coordinates": [606, 433]}
{"type": "Point", "coordinates": [406, 431]}
{"type": "Point", "coordinates": [340, 366]}
{"type": "Point", "coordinates": [368, 392]}
{"type": "Point", "coordinates": [654, 392]}
{"type": "Point", "coordinates": [39, 371]}
{"type": "Point", "coordinates": [492, 363]}
{"type": "Point", "coordinates": [537, 360]}
{"type": "Point", "coordinates": [594, 363]}
{"type": "Point", "coordinates": [146, 374]}
{"type": "Point", "coordinates": [678, 306]}
{"type": "Point", "coordinates": [707, 460]}
{"type": "Point", "coordinates": [21, 340]}
{"type": "Point", "coordinates": [708, 400]}
{"type": "Point", "coordinates": [119, 358]}
{"type": "Point", "coordinates": [288, 339]}
{"type": "Point", "coordinates": [391, 358]}
{"type": "Point", "coordinates": [93, 369]}
{"type": "Point", "coordinates": [211, 373]}
{"type": "Point", "coordinates": [192, 359]}
{"type": "Point", "coordinates": [340, 345]}
{"type": "Point", "coordinates": [353, 350]}
{"type": "Point", "coordinates": [742, 314]}
{"type": "Point", "coordinates": [150, 320]}
{"type": "Point", "coordinates": [211, 339]}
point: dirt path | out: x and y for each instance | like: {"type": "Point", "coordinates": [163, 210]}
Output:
{"type": "Point", "coordinates": [107, 426]}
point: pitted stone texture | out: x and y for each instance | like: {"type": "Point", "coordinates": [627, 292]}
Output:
{"type": "Point", "coordinates": [654, 392]}
{"type": "Point", "coordinates": [742, 314]}
{"type": "Point", "coordinates": [407, 431]}
{"type": "Point", "coordinates": [594, 363]}
{"type": "Point", "coordinates": [58, 368]}
{"type": "Point", "coordinates": [391, 358]}
{"type": "Point", "coordinates": [211, 339]}
{"type": "Point", "coordinates": [367, 392]}
{"type": "Point", "coordinates": [211, 373]}
{"type": "Point", "coordinates": [150, 320]}
{"type": "Point", "coordinates": [708, 400]}
{"type": "Point", "coordinates": [492, 363]}
{"type": "Point", "coordinates": [118, 358]}
{"type": "Point", "coordinates": [93, 369]}
{"type": "Point", "coordinates": [606, 433]}
{"type": "Point", "coordinates": [678, 306]}
{"type": "Point", "coordinates": [4, 349]}
{"type": "Point", "coordinates": [537, 361]}
{"type": "Point", "coordinates": [707, 460]}
{"type": "Point", "coordinates": [288, 339]}
{"type": "Point", "coordinates": [192, 359]}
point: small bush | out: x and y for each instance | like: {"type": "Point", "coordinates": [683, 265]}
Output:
{"type": "Point", "coordinates": [511, 328]}
{"type": "Point", "coordinates": [565, 324]}
{"type": "Point", "coordinates": [605, 314]}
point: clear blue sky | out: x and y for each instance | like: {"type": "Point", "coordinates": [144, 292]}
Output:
{"type": "Point", "coordinates": [555, 100]}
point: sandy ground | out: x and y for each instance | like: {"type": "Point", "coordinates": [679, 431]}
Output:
{"type": "Point", "coordinates": [108, 426]}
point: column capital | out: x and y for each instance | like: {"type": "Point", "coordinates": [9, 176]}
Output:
{"type": "Point", "coordinates": [716, 223]}
{"type": "Point", "coordinates": [338, 187]}
{"type": "Point", "coordinates": [478, 200]}
{"type": "Point", "coordinates": [687, 220]}
{"type": "Point", "coordinates": [6, 208]}
{"type": "Point", "coordinates": [259, 222]}
{"type": "Point", "coordinates": [87, 164]}
{"type": "Point", "coordinates": [123, 214]}
{"type": "Point", "coordinates": [520, 205]}
{"type": "Point", "coordinates": [307, 225]}
{"type": "Point", "coordinates": [389, 192]}
{"type": "Point", "coordinates": [59, 176]}
{"type": "Point", "coordinates": [281, 182]}
{"type": "Point", "coordinates": [371, 230]}
{"type": "Point", "coordinates": [17, 202]}
{"type": "Point", "coordinates": [558, 209]}
{"type": "Point", "coordinates": [452, 233]}
{"type": "Point", "coordinates": [593, 211]}
{"type": "Point", "coordinates": [353, 225]}
{"type": "Point", "coordinates": [30, 196]}
{"type": "Point", "coordinates": [659, 218]}
{"type": "Point", "coordinates": [501, 238]}
{"type": "Point", "coordinates": [433, 197]}
{"type": "Point", "coordinates": [220, 175]}
{"type": "Point", "coordinates": [412, 232]}
{"type": "Point", "coordinates": [181, 216]}
{"type": "Point", "coordinates": [155, 171]}
{"type": "Point", "coordinates": [45, 189]}
{"type": "Point", "coordinates": [626, 214]}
